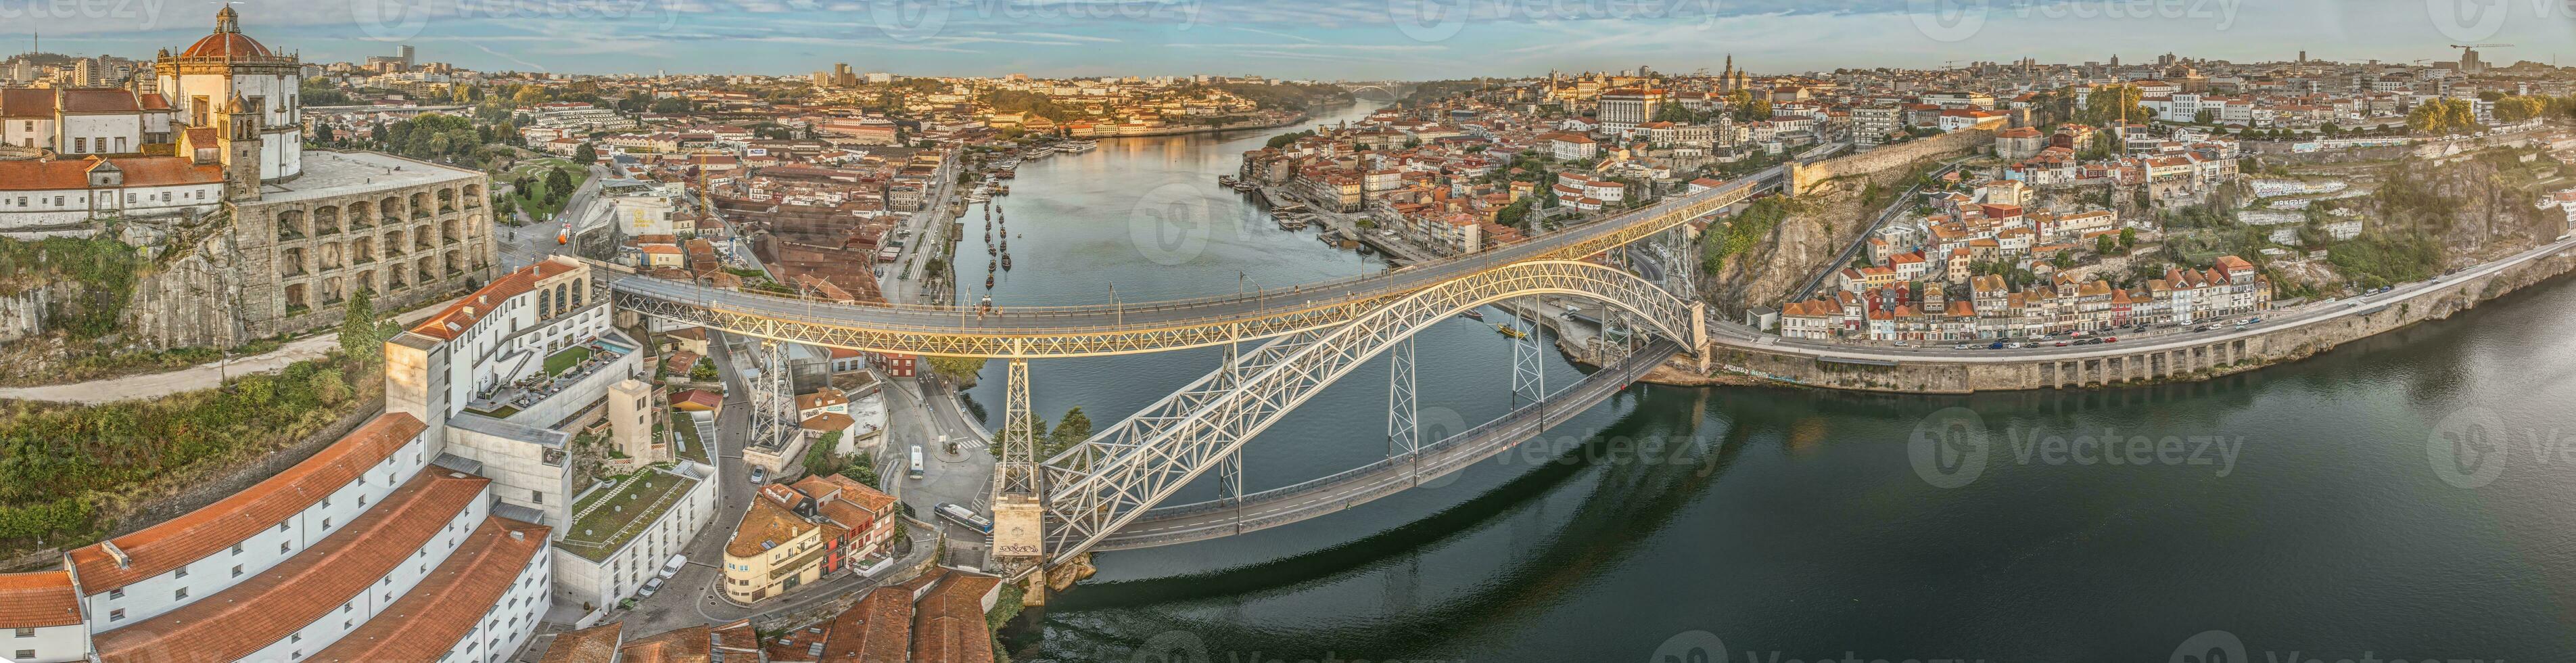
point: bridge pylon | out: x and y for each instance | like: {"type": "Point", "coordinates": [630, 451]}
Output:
{"type": "Point", "coordinates": [1019, 518]}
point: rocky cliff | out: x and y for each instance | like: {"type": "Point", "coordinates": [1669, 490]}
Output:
{"type": "Point", "coordinates": [1837, 200]}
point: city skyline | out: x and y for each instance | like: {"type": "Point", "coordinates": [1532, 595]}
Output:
{"type": "Point", "coordinates": [1355, 39]}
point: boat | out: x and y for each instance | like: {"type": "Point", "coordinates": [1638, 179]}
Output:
{"type": "Point", "coordinates": [1001, 191]}
{"type": "Point", "coordinates": [1006, 262]}
{"type": "Point", "coordinates": [1246, 186]}
{"type": "Point", "coordinates": [1472, 314]}
{"type": "Point", "coordinates": [1507, 330]}
{"type": "Point", "coordinates": [1005, 175]}
{"type": "Point", "coordinates": [988, 282]}
{"type": "Point", "coordinates": [989, 250]}
{"type": "Point", "coordinates": [1225, 180]}
{"type": "Point", "coordinates": [1078, 146]}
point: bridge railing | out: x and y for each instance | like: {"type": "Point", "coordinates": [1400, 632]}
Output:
{"type": "Point", "coordinates": [1607, 378]}
{"type": "Point", "coordinates": [1324, 294]}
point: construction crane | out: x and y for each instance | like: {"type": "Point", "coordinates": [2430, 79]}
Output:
{"type": "Point", "coordinates": [2469, 62]}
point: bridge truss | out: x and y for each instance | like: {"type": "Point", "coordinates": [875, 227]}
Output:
{"type": "Point", "coordinates": [1105, 482]}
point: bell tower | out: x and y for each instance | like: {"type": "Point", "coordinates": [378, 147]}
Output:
{"type": "Point", "coordinates": [240, 139]}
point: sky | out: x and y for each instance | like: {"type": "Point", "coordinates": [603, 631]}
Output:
{"type": "Point", "coordinates": [1303, 39]}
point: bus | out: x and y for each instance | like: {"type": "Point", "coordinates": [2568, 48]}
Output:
{"type": "Point", "coordinates": [916, 461]}
{"type": "Point", "coordinates": [961, 516]}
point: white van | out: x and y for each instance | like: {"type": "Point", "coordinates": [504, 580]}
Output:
{"type": "Point", "coordinates": [672, 568]}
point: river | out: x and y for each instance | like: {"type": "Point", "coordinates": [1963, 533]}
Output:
{"type": "Point", "coordinates": [2317, 509]}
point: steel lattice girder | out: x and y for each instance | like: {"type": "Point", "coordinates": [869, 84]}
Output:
{"type": "Point", "coordinates": [731, 312]}
{"type": "Point", "coordinates": [1117, 484]}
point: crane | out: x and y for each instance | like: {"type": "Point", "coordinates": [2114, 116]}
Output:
{"type": "Point", "coordinates": [2469, 62]}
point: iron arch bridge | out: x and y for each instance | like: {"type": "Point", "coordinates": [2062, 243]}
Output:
{"type": "Point", "coordinates": [1108, 481]}
{"type": "Point", "coordinates": [1051, 511]}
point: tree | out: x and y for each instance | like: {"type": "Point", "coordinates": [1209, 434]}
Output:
{"type": "Point", "coordinates": [705, 371]}
{"type": "Point", "coordinates": [2442, 116]}
{"type": "Point", "coordinates": [2128, 239]}
{"type": "Point", "coordinates": [358, 329]}
{"type": "Point", "coordinates": [1070, 430]}
{"type": "Point", "coordinates": [2519, 108]}
{"type": "Point", "coordinates": [824, 457]}
{"type": "Point", "coordinates": [957, 369]}
{"type": "Point", "coordinates": [558, 183]}
{"type": "Point", "coordinates": [321, 132]}
{"type": "Point", "coordinates": [2114, 103]}
{"type": "Point", "coordinates": [2205, 116]}
{"type": "Point", "coordinates": [863, 469]}
{"type": "Point", "coordinates": [585, 155]}
{"type": "Point", "coordinates": [2105, 245]}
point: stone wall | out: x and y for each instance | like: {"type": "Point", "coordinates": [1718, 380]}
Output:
{"type": "Point", "coordinates": [1804, 177]}
{"type": "Point", "coordinates": [23, 314]}
{"type": "Point", "coordinates": [2112, 365]}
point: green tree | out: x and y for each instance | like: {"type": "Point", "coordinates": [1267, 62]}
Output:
{"type": "Point", "coordinates": [358, 329]}
{"type": "Point", "coordinates": [704, 371]}
{"type": "Point", "coordinates": [2114, 103]}
{"type": "Point", "coordinates": [863, 469]}
{"type": "Point", "coordinates": [2105, 245]}
{"type": "Point", "coordinates": [558, 183]}
{"type": "Point", "coordinates": [585, 155]}
{"type": "Point", "coordinates": [1070, 430]}
{"type": "Point", "coordinates": [957, 369]}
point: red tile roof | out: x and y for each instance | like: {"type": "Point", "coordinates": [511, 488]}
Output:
{"type": "Point", "coordinates": [692, 644]}
{"type": "Point", "coordinates": [877, 630]}
{"type": "Point", "coordinates": [226, 44]}
{"type": "Point", "coordinates": [237, 622]}
{"type": "Point", "coordinates": [158, 549]}
{"type": "Point", "coordinates": [99, 100]}
{"type": "Point", "coordinates": [437, 613]}
{"type": "Point", "coordinates": [597, 644]}
{"type": "Point", "coordinates": [462, 315]}
{"type": "Point", "coordinates": [948, 624]}
{"type": "Point", "coordinates": [38, 599]}
{"type": "Point", "coordinates": [57, 174]}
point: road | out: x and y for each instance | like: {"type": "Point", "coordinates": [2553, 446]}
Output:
{"type": "Point", "coordinates": [929, 235]}
{"type": "Point", "coordinates": [529, 243]}
{"type": "Point", "coordinates": [202, 376]}
{"type": "Point", "coordinates": [1323, 299]}
{"type": "Point", "coordinates": [924, 412]}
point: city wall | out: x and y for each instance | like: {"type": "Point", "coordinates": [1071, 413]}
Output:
{"type": "Point", "coordinates": [1804, 177]}
{"type": "Point", "coordinates": [2112, 364]}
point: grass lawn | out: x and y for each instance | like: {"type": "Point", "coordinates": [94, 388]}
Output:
{"type": "Point", "coordinates": [688, 426]}
{"type": "Point", "coordinates": [641, 497]}
{"type": "Point", "coordinates": [559, 362]}
{"type": "Point", "coordinates": [533, 199]}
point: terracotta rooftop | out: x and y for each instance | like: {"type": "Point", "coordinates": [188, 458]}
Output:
{"type": "Point", "coordinates": [38, 599]}
{"type": "Point", "coordinates": [48, 175]}
{"type": "Point", "coordinates": [768, 522]}
{"type": "Point", "coordinates": [597, 644]}
{"type": "Point", "coordinates": [462, 315]}
{"type": "Point", "coordinates": [263, 609]}
{"type": "Point", "coordinates": [692, 644]}
{"type": "Point", "coordinates": [877, 630]}
{"type": "Point", "coordinates": [948, 623]}
{"type": "Point", "coordinates": [158, 549]}
{"type": "Point", "coordinates": [439, 611]}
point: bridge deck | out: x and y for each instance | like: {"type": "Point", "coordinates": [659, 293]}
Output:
{"type": "Point", "coordinates": [1122, 328]}
{"type": "Point", "coordinates": [1360, 485]}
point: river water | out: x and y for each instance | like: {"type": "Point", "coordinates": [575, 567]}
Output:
{"type": "Point", "coordinates": [2318, 510]}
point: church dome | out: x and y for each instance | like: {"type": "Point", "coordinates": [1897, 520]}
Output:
{"type": "Point", "coordinates": [227, 41]}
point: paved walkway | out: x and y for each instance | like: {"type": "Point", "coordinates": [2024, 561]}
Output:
{"type": "Point", "coordinates": [202, 376]}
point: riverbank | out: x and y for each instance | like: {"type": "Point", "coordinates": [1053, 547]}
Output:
{"type": "Point", "coordinates": [2181, 360]}
{"type": "Point", "coordinates": [1293, 120]}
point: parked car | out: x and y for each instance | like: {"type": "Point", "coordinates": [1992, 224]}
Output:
{"type": "Point", "coordinates": [2013, 346]}
{"type": "Point", "coordinates": [2061, 344]}
{"type": "Point", "coordinates": [650, 586]}
{"type": "Point", "coordinates": [1997, 346]}
{"type": "Point", "coordinates": [672, 567]}
{"type": "Point", "coordinates": [2110, 339]}
{"type": "Point", "coordinates": [759, 475]}
{"type": "Point", "coordinates": [1903, 344]}
{"type": "Point", "coordinates": [1962, 346]}
{"type": "Point", "coordinates": [2201, 328]}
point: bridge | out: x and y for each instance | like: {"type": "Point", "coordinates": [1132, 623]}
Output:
{"type": "Point", "coordinates": [1051, 511]}
{"type": "Point", "coordinates": [1387, 90]}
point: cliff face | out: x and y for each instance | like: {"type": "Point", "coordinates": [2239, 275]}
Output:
{"type": "Point", "coordinates": [1831, 212]}
{"type": "Point", "coordinates": [191, 297]}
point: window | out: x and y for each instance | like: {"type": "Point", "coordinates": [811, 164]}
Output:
{"type": "Point", "coordinates": [115, 594]}
{"type": "Point", "coordinates": [26, 654]}
{"type": "Point", "coordinates": [25, 633]}
{"type": "Point", "coordinates": [181, 573]}
{"type": "Point", "coordinates": [282, 547]}
{"type": "Point", "coordinates": [80, 145]}
{"type": "Point", "coordinates": [236, 570]}
{"type": "Point", "coordinates": [294, 637]}
{"type": "Point", "coordinates": [116, 615]}
{"type": "Point", "coordinates": [237, 548]}
{"type": "Point", "coordinates": [537, 497]}
{"type": "Point", "coordinates": [180, 594]}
